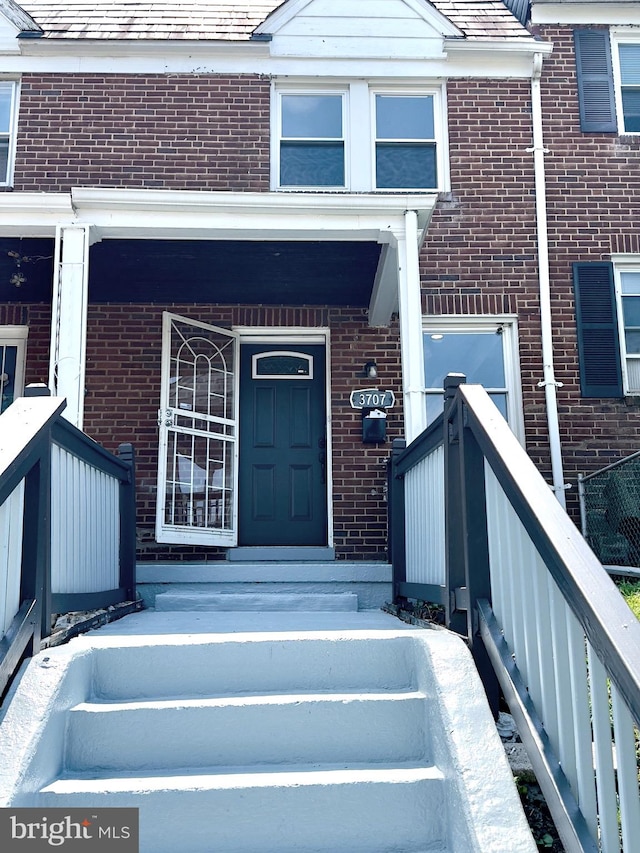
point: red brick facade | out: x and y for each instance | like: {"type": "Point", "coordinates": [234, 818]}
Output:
{"type": "Point", "coordinates": [480, 256]}
{"type": "Point", "coordinates": [171, 132]}
{"type": "Point", "coordinates": [593, 198]}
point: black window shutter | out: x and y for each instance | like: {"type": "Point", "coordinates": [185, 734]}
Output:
{"type": "Point", "coordinates": [595, 81]}
{"type": "Point", "coordinates": [597, 321]}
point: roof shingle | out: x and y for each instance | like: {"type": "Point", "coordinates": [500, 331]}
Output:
{"type": "Point", "coordinates": [227, 20]}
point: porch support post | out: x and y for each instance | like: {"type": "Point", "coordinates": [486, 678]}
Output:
{"type": "Point", "coordinates": [69, 319]}
{"type": "Point", "coordinates": [411, 349]}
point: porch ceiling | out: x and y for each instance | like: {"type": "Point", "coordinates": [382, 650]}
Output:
{"type": "Point", "coordinates": [300, 272]}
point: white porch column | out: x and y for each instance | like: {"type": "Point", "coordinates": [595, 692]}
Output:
{"type": "Point", "coordinates": [411, 348]}
{"type": "Point", "coordinates": [69, 319]}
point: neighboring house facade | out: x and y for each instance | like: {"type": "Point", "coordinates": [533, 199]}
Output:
{"type": "Point", "coordinates": [254, 210]}
{"type": "Point", "coordinates": [591, 104]}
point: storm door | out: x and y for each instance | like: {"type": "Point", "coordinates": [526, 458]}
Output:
{"type": "Point", "coordinates": [283, 454]}
{"type": "Point", "coordinates": [197, 470]}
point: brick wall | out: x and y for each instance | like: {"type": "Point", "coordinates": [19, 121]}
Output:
{"type": "Point", "coordinates": [593, 185]}
{"type": "Point", "coordinates": [480, 255]}
{"type": "Point", "coordinates": [167, 132]}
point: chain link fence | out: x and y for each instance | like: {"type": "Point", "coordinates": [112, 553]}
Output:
{"type": "Point", "coordinates": [610, 511]}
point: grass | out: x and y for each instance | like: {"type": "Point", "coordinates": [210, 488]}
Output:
{"type": "Point", "coordinates": [631, 593]}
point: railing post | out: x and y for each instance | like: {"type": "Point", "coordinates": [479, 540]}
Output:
{"type": "Point", "coordinates": [396, 525]}
{"type": "Point", "coordinates": [477, 564]}
{"type": "Point", "coordinates": [468, 576]}
{"type": "Point", "coordinates": [455, 614]}
{"type": "Point", "coordinates": [128, 523]}
{"type": "Point", "coordinates": [36, 545]}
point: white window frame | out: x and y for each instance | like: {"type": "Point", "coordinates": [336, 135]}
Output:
{"type": "Point", "coordinates": [507, 326]}
{"type": "Point", "coordinates": [626, 265]}
{"type": "Point", "coordinates": [16, 336]}
{"type": "Point", "coordinates": [359, 131]}
{"type": "Point", "coordinates": [276, 135]}
{"type": "Point", "coordinates": [12, 132]}
{"type": "Point", "coordinates": [438, 130]}
{"type": "Point", "coordinates": [617, 38]}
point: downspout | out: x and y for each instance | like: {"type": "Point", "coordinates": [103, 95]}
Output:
{"type": "Point", "coordinates": [548, 382]}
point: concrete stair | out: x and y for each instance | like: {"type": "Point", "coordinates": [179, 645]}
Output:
{"type": "Point", "coordinates": [260, 731]}
{"type": "Point", "coordinates": [263, 602]}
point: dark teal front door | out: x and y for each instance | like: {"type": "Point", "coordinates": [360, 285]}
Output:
{"type": "Point", "coordinates": [282, 489]}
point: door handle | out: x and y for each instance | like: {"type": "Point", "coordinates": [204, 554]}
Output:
{"type": "Point", "coordinates": [322, 458]}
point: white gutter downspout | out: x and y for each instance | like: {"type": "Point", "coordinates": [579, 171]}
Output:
{"type": "Point", "coordinates": [549, 381]}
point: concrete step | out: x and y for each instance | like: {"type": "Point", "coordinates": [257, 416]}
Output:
{"type": "Point", "coordinates": [161, 666]}
{"type": "Point", "coordinates": [300, 809]}
{"type": "Point", "coordinates": [263, 602]}
{"type": "Point", "coordinates": [238, 732]}
{"type": "Point", "coordinates": [306, 728]}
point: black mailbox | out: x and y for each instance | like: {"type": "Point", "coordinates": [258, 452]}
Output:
{"type": "Point", "coordinates": [374, 426]}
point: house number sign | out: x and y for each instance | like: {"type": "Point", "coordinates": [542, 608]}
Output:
{"type": "Point", "coordinates": [372, 398]}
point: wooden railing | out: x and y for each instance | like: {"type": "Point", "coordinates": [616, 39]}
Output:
{"type": "Point", "coordinates": [543, 617]}
{"type": "Point", "coordinates": [67, 525]}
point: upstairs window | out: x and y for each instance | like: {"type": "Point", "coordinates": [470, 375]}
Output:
{"type": "Point", "coordinates": [358, 138]}
{"type": "Point", "coordinates": [405, 142]}
{"type": "Point", "coordinates": [312, 140]}
{"type": "Point", "coordinates": [7, 129]}
{"type": "Point", "coordinates": [629, 56]}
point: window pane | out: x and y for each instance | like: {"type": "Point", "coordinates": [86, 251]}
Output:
{"type": "Point", "coordinates": [632, 342]}
{"type": "Point", "coordinates": [435, 405]}
{"type": "Point", "coordinates": [283, 365]}
{"type": "Point", "coordinates": [631, 109]}
{"type": "Point", "coordinates": [4, 160]}
{"type": "Point", "coordinates": [6, 91]}
{"type": "Point", "coordinates": [8, 356]}
{"type": "Point", "coordinates": [401, 165]}
{"type": "Point", "coordinates": [400, 117]}
{"type": "Point", "coordinates": [630, 282]}
{"type": "Point", "coordinates": [312, 116]}
{"type": "Point", "coordinates": [476, 354]}
{"type": "Point", "coordinates": [631, 310]}
{"type": "Point", "coordinates": [630, 63]}
{"type": "Point", "coordinates": [308, 164]}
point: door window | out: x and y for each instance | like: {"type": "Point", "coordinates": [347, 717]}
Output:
{"type": "Point", "coordinates": [12, 357]}
{"type": "Point", "coordinates": [484, 351]}
{"type": "Point", "coordinates": [281, 365]}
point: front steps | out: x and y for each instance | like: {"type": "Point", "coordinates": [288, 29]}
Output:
{"type": "Point", "coordinates": [369, 581]}
{"type": "Point", "coordinates": [314, 732]}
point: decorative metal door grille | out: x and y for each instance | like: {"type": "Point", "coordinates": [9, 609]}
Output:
{"type": "Point", "coordinates": [198, 434]}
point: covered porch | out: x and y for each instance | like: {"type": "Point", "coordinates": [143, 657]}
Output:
{"type": "Point", "coordinates": [281, 271]}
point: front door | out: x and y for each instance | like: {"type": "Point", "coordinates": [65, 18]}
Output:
{"type": "Point", "coordinates": [282, 466]}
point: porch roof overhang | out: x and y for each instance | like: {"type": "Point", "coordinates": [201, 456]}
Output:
{"type": "Point", "coordinates": [295, 221]}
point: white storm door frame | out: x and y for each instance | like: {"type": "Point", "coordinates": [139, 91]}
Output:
{"type": "Point", "coordinates": [199, 507]}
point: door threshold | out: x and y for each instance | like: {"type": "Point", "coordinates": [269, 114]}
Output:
{"type": "Point", "coordinates": [280, 554]}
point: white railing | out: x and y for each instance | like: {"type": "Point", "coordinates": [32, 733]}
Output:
{"type": "Point", "coordinates": [85, 521]}
{"type": "Point", "coordinates": [11, 515]}
{"type": "Point", "coordinates": [67, 525]}
{"type": "Point", "coordinates": [589, 726]}
{"type": "Point", "coordinates": [543, 619]}
{"type": "Point", "coordinates": [424, 520]}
